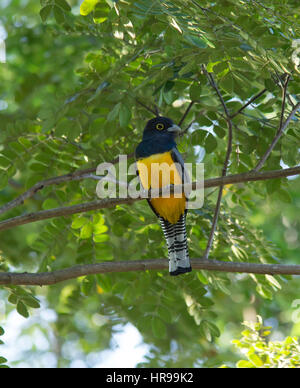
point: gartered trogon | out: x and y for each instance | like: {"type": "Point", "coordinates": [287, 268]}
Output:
{"type": "Point", "coordinates": [157, 150]}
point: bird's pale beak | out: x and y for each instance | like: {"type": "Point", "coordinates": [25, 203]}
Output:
{"type": "Point", "coordinates": [174, 129]}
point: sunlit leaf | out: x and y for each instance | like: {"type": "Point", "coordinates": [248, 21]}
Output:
{"type": "Point", "coordinates": [88, 6]}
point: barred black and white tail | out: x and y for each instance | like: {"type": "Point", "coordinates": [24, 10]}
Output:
{"type": "Point", "coordinates": [175, 234]}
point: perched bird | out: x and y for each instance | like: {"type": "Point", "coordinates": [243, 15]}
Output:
{"type": "Point", "coordinates": [157, 151]}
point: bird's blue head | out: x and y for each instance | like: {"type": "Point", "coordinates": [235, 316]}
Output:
{"type": "Point", "coordinates": [161, 126]}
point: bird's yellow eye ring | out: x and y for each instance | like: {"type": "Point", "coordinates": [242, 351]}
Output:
{"type": "Point", "coordinates": [160, 126]}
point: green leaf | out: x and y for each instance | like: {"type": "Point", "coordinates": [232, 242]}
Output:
{"type": "Point", "coordinates": [59, 15]}
{"type": "Point", "coordinates": [205, 330]}
{"type": "Point", "coordinates": [271, 279]}
{"type": "Point", "coordinates": [165, 314]}
{"type": "Point", "coordinates": [124, 116]}
{"type": "Point", "coordinates": [158, 327]}
{"type": "Point", "coordinates": [79, 222]}
{"type": "Point", "coordinates": [205, 302]}
{"type": "Point", "coordinates": [31, 302]}
{"type": "Point", "coordinates": [244, 364]}
{"type": "Point", "coordinates": [283, 195]}
{"type": "Point", "coordinates": [198, 137]}
{"type": "Point", "coordinates": [227, 83]}
{"type": "Point", "coordinates": [273, 186]}
{"type": "Point", "coordinates": [2, 360]}
{"type": "Point", "coordinates": [201, 276]}
{"type": "Point", "coordinates": [98, 91]}
{"type": "Point", "coordinates": [100, 229]}
{"type": "Point", "coordinates": [270, 85]}
{"type": "Point", "coordinates": [186, 69]}
{"type": "Point", "coordinates": [101, 12]}
{"type": "Point", "coordinates": [45, 12]}
{"type": "Point", "coordinates": [3, 179]}
{"type": "Point", "coordinates": [63, 4]}
{"type": "Point", "coordinates": [88, 284]}
{"type": "Point", "coordinates": [196, 41]}
{"type": "Point", "coordinates": [1, 331]}
{"type": "Point", "coordinates": [256, 360]}
{"type": "Point", "coordinates": [13, 299]}
{"type": "Point", "coordinates": [38, 167]}
{"type": "Point", "coordinates": [88, 6]}
{"type": "Point", "coordinates": [220, 132]}
{"type": "Point", "coordinates": [168, 97]}
{"type": "Point", "coordinates": [4, 162]}
{"type": "Point", "coordinates": [86, 231]}
{"type": "Point", "coordinates": [50, 203]}
{"type": "Point", "coordinates": [210, 143]}
{"type": "Point", "coordinates": [195, 91]}
{"type": "Point", "coordinates": [25, 142]}
{"type": "Point", "coordinates": [100, 238]}
{"type": "Point", "coordinates": [203, 121]}
{"type": "Point", "coordinates": [168, 86]}
{"type": "Point", "coordinates": [264, 291]}
{"type": "Point", "coordinates": [22, 309]}
{"type": "Point", "coordinates": [211, 327]}
{"type": "Point", "coordinates": [104, 281]}
{"type": "Point", "coordinates": [114, 112]}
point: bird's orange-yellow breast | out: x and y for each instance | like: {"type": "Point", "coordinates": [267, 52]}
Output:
{"type": "Point", "coordinates": [157, 171]}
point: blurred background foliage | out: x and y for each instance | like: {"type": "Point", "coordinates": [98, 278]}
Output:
{"type": "Point", "coordinates": [263, 353]}
{"type": "Point", "coordinates": [72, 90]}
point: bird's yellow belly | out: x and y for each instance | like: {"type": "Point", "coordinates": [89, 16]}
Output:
{"type": "Point", "coordinates": [157, 171]}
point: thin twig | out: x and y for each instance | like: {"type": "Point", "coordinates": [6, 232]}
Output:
{"type": "Point", "coordinates": [277, 138]}
{"type": "Point", "coordinates": [248, 103]}
{"type": "Point", "coordinates": [186, 112]}
{"type": "Point", "coordinates": [185, 131]}
{"type": "Point", "coordinates": [50, 278]}
{"type": "Point", "coordinates": [157, 110]}
{"type": "Point", "coordinates": [225, 166]}
{"type": "Point", "coordinates": [149, 109]}
{"type": "Point", "coordinates": [284, 92]}
{"type": "Point", "coordinates": [214, 85]}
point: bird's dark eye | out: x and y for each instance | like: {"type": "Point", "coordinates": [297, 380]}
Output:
{"type": "Point", "coordinates": [160, 126]}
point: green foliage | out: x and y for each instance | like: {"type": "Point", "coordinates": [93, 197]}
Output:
{"type": "Point", "coordinates": [75, 78]}
{"type": "Point", "coordinates": [263, 353]}
{"type": "Point", "coordinates": [59, 8]}
{"type": "Point", "coordinates": [3, 360]}
{"type": "Point", "coordinates": [23, 299]}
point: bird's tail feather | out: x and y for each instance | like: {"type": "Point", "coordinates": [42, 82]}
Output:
{"type": "Point", "coordinates": [175, 234]}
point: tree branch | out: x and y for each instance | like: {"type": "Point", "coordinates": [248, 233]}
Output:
{"type": "Point", "coordinates": [77, 175]}
{"type": "Point", "coordinates": [111, 202]}
{"type": "Point", "coordinates": [226, 162]}
{"type": "Point", "coordinates": [84, 174]}
{"type": "Point", "coordinates": [49, 278]}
